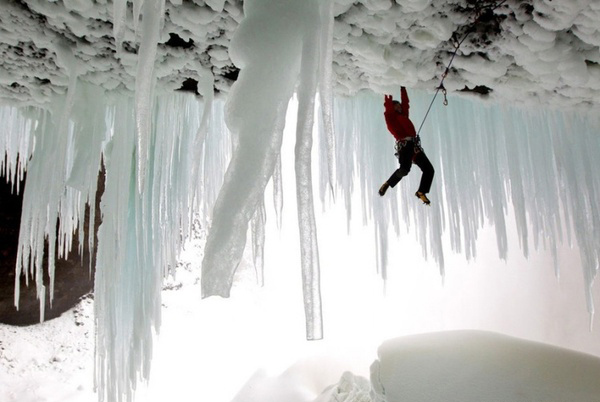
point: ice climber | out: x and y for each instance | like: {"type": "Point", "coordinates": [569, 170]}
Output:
{"type": "Point", "coordinates": [408, 146]}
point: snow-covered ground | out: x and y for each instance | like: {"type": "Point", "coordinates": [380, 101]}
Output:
{"type": "Point", "coordinates": [52, 361]}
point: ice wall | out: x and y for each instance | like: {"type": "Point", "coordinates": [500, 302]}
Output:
{"type": "Point", "coordinates": [493, 163]}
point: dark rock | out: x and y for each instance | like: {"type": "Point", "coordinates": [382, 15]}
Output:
{"type": "Point", "coordinates": [189, 85]}
{"type": "Point", "coordinates": [176, 41]}
{"type": "Point", "coordinates": [478, 89]}
{"type": "Point", "coordinates": [74, 276]}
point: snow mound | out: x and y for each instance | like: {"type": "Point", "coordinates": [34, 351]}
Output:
{"type": "Point", "coordinates": [475, 366]}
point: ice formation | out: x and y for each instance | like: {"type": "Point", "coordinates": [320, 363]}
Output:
{"type": "Point", "coordinates": [165, 156]}
{"type": "Point", "coordinates": [141, 233]}
{"type": "Point", "coordinates": [494, 162]}
{"type": "Point", "coordinates": [256, 116]}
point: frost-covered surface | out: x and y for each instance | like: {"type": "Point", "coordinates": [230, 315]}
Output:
{"type": "Point", "coordinates": [532, 51]}
{"type": "Point", "coordinates": [52, 361]}
{"type": "Point", "coordinates": [471, 366]}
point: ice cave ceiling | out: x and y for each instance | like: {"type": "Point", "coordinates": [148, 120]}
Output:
{"type": "Point", "coordinates": [536, 50]}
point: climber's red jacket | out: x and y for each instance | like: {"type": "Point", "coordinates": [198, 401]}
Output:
{"type": "Point", "coordinates": [398, 123]}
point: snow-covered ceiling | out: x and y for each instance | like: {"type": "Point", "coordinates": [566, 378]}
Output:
{"type": "Point", "coordinates": [542, 51]}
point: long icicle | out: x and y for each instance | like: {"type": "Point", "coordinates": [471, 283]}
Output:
{"type": "Point", "coordinates": [306, 216]}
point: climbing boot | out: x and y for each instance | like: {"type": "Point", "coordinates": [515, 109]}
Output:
{"type": "Point", "coordinates": [383, 188]}
{"type": "Point", "coordinates": [423, 197]}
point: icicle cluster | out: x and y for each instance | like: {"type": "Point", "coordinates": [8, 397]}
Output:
{"type": "Point", "coordinates": [488, 159]}
{"type": "Point", "coordinates": [16, 140]}
{"type": "Point", "coordinates": [141, 232]}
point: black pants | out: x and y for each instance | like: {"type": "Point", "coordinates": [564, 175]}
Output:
{"type": "Point", "coordinates": [405, 156]}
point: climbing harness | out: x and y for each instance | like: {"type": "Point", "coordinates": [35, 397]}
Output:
{"type": "Point", "coordinates": [402, 143]}
{"type": "Point", "coordinates": [398, 147]}
{"type": "Point", "coordinates": [480, 13]}
{"type": "Point", "coordinates": [418, 147]}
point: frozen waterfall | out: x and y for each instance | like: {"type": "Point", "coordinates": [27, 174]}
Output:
{"type": "Point", "coordinates": [170, 159]}
{"type": "Point", "coordinates": [494, 162]}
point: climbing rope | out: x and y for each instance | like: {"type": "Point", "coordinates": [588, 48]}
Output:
{"type": "Point", "coordinates": [457, 44]}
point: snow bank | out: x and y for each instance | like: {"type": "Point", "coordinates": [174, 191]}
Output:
{"type": "Point", "coordinates": [475, 366]}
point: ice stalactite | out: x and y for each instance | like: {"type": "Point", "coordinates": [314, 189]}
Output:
{"type": "Point", "coordinates": [575, 164]}
{"type": "Point", "coordinates": [34, 218]}
{"type": "Point", "coordinates": [88, 138]}
{"type": "Point", "coordinates": [151, 26]}
{"type": "Point", "coordinates": [278, 192]}
{"type": "Point", "coordinates": [129, 271]}
{"type": "Point", "coordinates": [307, 88]}
{"type": "Point", "coordinates": [117, 254]}
{"type": "Point", "coordinates": [197, 176]}
{"type": "Point", "coordinates": [258, 242]}
{"type": "Point", "coordinates": [16, 140]}
{"type": "Point", "coordinates": [326, 87]}
{"type": "Point", "coordinates": [255, 115]}
{"type": "Point", "coordinates": [119, 11]}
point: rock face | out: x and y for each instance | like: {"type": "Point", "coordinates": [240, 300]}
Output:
{"type": "Point", "coordinates": [74, 276]}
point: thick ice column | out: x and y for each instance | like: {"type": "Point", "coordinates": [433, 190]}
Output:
{"type": "Point", "coordinates": [255, 115]}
